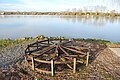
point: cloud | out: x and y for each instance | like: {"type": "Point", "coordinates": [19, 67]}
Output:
{"type": "Point", "coordinates": [55, 5]}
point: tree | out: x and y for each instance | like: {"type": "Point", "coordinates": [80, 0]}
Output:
{"type": "Point", "coordinates": [74, 10]}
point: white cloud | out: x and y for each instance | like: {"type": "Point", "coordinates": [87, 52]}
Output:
{"type": "Point", "coordinates": [55, 5]}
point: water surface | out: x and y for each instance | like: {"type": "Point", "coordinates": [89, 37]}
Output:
{"type": "Point", "coordinates": [18, 26]}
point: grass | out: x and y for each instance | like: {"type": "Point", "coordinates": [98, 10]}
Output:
{"type": "Point", "coordinates": [6, 42]}
{"type": "Point", "coordinates": [95, 41]}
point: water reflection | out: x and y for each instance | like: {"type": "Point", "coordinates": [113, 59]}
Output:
{"type": "Point", "coordinates": [17, 26]}
{"type": "Point", "coordinates": [91, 20]}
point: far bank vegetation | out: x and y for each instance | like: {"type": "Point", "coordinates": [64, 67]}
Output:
{"type": "Point", "coordinates": [98, 11]}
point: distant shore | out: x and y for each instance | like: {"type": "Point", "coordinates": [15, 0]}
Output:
{"type": "Point", "coordinates": [112, 14]}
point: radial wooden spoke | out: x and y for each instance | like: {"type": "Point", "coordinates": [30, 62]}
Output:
{"type": "Point", "coordinates": [66, 63]}
{"type": "Point", "coordinates": [66, 42]}
{"type": "Point", "coordinates": [74, 50]}
{"type": "Point", "coordinates": [63, 50]}
{"type": "Point", "coordinates": [45, 51]}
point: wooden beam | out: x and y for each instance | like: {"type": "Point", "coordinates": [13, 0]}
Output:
{"type": "Point", "coordinates": [74, 50]}
{"type": "Point", "coordinates": [44, 51]}
{"type": "Point", "coordinates": [63, 50]}
{"type": "Point", "coordinates": [66, 63]}
{"type": "Point", "coordinates": [62, 43]}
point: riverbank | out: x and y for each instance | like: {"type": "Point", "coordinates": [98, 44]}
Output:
{"type": "Point", "coordinates": [9, 42]}
{"type": "Point", "coordinates": [110, 14]}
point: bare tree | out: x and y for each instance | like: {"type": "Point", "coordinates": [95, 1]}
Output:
{"type": "Point", "coordinates": [74, 9]}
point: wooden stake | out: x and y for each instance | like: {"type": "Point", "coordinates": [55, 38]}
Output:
{"type": "Point", "coordinates": [33, 64]}
{"type": "Point", "coordinates": [52, 67]}
{"type": "Point", "coordinates": [25, 59]}
{"type": "Point", "coordinates": [37, 44]}
{"type": "Point", "coordinates": [74, 66]}
{"type": "Point", "coordinates": [87, 61]}
{"type": "Point", "coordinates": [48, 41]}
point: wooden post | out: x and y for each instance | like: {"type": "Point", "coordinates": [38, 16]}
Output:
{"type": "Point", "coordinates": [25, 59]}
{"type": "Point", "coordinates": [52, 67]}
{"type": "Point", "coordinates": [87, 60]}
{"type": "Point", "coordinates": [37, 44]}
{"type": "Point", "coordinates": [29, 49]}
{"type": "Point", "coordinates": [74, 66]}
{"type": "Point", "coordinates": [48, 41]}
{"type": "Point", "coordinates": [60, 39]}
{"type": "Point", "coordinates": [33, 64]}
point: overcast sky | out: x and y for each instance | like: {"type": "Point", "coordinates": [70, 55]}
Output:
{"type": "Point", "coordinates": [55, 5]}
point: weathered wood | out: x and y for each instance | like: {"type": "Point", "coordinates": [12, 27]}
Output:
{"type": "Point", "coordinates": [74, 65]}
{"type": "Point", "coordinates": [26, 60]}
{"type": "Point", "coordinates": [48, 41]}
{"type": "Point", "coordinates": [66, 42]}
{"type": "Point", "coordinates": [82, 53]}
{"type": "Point", "coordinates": [87, 60]}
{"type": "Point", "coordinates": [44, 71]}
{"type": "Point", "coordinates": [66, 63]}
{"type": "Point", "coordinates": [33, 63]}
{"type": "Point", "coordinates": [37, 45]}
{"type": "Point", "coordinates": [80, 62]}
{"type": "Point", "coordinates": [50, 48]}
{"type": "Point", "coordinates": [52, 67]}
{"type": "Point", "coordinates": [63, 51]}
{"type": "Point", "coordinates": [74, 47]}
{"type": "Point", "coordinates": [59, 54]}
{"type": "Point", "coordinates": [48, 62]}
{"type": "Point", "coordinates": [38, 42]}
{"type": "Point", "coordinates": [79, 56]}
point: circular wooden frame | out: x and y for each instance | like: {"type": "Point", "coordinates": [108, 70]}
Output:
{"type": "Point", "coordinates": [55, 53]}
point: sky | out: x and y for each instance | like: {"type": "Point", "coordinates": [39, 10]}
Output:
{"type": "Point", "coordinates": [56, 5]}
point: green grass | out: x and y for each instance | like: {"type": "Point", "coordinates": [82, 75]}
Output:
{"type": "Point", "coordinates": [96, 41]}
{"type": "Point", "coordinates": [8, 42]}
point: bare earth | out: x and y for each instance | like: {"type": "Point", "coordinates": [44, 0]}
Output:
{"type": "Point", "coordinates": [116, 51]}
{"type": "Point", "coordinates": [105, 65]}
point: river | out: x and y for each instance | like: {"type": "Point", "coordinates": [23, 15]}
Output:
{"type": "Point", "coordinates": [18, 26]}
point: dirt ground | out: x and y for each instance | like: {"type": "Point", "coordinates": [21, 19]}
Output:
{"type": "Point", "coordinates": [103, 65]}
